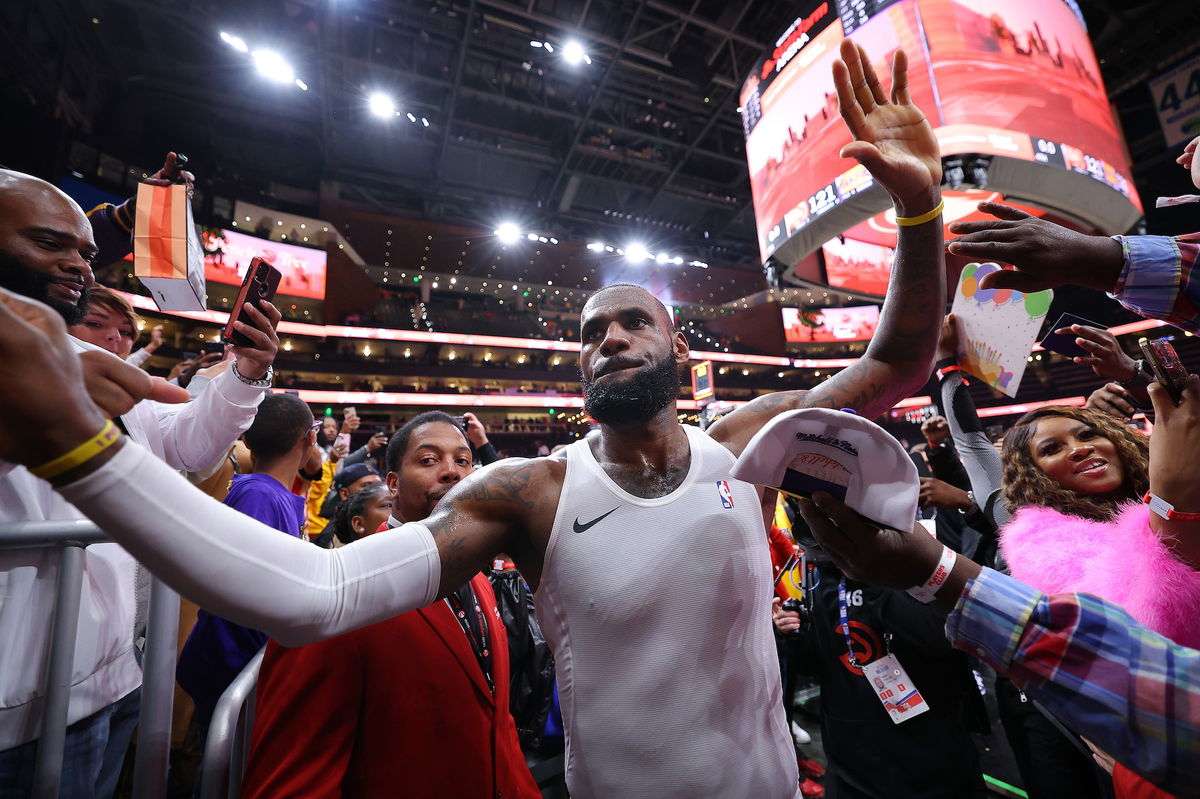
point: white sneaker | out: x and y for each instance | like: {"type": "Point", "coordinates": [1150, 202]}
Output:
{"type": "Point", "coordinates": [800, 735]}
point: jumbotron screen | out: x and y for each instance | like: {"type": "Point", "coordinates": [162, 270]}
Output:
{"type": "Point", "coordinates": [812, 325]}
{"type": "Point", "coordinates": [228, 253]}
{"type": "Point", "coordinates": [1013, 79]}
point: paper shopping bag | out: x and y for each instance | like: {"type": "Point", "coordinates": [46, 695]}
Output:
{"type": "Point", "coordinates": [167, 257]}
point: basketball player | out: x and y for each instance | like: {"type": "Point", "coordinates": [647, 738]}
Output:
{"type": "Point", "coordinates": [649, 561]}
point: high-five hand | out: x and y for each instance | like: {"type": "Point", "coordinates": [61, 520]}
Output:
{"type": "Point", "coordinates": [893, 140]}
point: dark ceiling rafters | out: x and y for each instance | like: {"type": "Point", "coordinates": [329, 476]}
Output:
{"type": "Point", "coordinates": [494, 108]}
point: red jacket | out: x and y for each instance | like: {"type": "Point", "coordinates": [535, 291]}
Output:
{"type": "Point", "coordinates": [400, 708]}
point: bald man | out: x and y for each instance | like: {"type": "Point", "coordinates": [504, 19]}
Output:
{"type": "Point", "coordinates": [649, 560]}
{"type": "Point", "coordinates": [46, 250]}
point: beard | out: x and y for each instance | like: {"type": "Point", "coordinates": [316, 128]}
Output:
{"type": "Point", "coordinates": [35, 284]}
{"type": "Point", "coordinates": [635, 400]}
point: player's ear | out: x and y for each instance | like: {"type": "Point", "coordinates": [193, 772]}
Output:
{"type": "Point", "coordinates": [683, 353]}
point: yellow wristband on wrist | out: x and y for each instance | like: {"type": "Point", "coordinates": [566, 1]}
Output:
{"type": "Point", "coordinates": [910, 221]}
{"type": "Point", "coordinates": [108, 435]}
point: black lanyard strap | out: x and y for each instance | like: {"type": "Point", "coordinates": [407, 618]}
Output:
{"type": "Point", "coordinates": [464, 604]}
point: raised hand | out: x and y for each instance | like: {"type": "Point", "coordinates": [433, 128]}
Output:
{"type": "Point", "coordinates": [1105, 355]}
{"type": "Point", "coordinates": [1045, 255]}
{"type": "Point", "coordinates": [1174, 464]}
{"type": "Point", "coordinates": [1189, 161]}
{"type": "Point", "coordinates": [172, 172]}
{"type": "Point", "coordinates": [1111, 398]}
{"type": "Point", "coordinates": [42, 390]}
{"type": "Point", "coordinates": [947, 346]}
{"type": "Point", "coordinates": [893, 140]}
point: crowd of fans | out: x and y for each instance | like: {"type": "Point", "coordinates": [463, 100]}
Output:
{"type": "Point", "coordinates": [404, 655]}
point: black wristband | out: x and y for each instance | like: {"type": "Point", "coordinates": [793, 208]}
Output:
{"type": "Point", "coordinates": [310, 478]}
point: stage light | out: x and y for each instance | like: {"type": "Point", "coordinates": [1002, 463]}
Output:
{"type": "Point", "coordinates": [531, 236]}
{"type": "Point", "coordinates": [236, 42]}
{"type": "Point", "coordinates": [573, 53]}
{"type": "Point", "coordinates": [662, 258]}
{"type": "Point", "coordinates": [381, 105]}
{"type": "Point", "coordinates": [301, 85]}
{"type": "Point", "coordinates": [271, 66]}
{"type": "Point", "coordinates": [596, 246]}
{"type": "Point", "coordinates": [507, 233]}
{"type": "Point", "coordinates": [411, 117]}
{"type": "Point", "coordinates": [424, 121]}
{"type": "Point", "coordinates": [531, 44]}
{"type": "Point", "coordinates": [637, 252]}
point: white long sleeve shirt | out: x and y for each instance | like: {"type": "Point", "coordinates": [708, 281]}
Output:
{"type": "Point", "coordinates": [188, 437]}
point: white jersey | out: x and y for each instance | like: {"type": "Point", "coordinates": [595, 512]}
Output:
{"type": "Point", "coordinates": [658, 612]}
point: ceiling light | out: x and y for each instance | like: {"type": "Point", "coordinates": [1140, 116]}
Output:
{"type": "Point", "coordinates": [301, 85]}
{"type": "Point", "coordinates": [662, 258]}
{"type": "Point", "coordinates": [381, 105]}
{"type": "Point", "coordinates": [236, 42]}
{"type": "Point", "coordinates": [596, 246]}
{"type": "Point", "coordinates": [531, 44]}
{"type": "Point", "coordinates": [637, 253]}
{"type": "Point", "coordinates": [410, 116]}
{"type": "Point", "coordinates": [424, 121]}
{"type": "Point", "coordinates": [271, 66]}
{"type": "Point", "coordinates": [573, 53]}
{"type": "Point", "coordinates": [507, 233]}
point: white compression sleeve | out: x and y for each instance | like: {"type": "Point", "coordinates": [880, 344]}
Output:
{"type": "Point", "coordinates": [242, 570]}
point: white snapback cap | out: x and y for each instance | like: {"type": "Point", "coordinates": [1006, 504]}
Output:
{"type": "Point", "coordinates": [840, 453]}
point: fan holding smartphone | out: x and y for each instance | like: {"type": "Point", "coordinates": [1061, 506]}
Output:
{"type": "Point", "coordinates": [251, 328]}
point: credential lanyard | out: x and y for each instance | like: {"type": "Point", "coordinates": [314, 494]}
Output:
{"type": "Point", "coordinates": [477, 634]}
{"type": "Point", "coordinates": [844, 617]}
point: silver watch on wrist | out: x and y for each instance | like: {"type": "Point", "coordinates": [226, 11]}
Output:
{"type": "Point", "coordinates": [263, 382]}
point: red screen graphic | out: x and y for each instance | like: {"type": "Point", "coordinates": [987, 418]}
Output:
{"type": "Point", "coordinates": [1016, 78]}
{"type": "Point", "coordinates": [227, 255]}
{"type": "Point", "coordinates": [857, 265]}
{"type": "Point", "coordinates": [852, 323]}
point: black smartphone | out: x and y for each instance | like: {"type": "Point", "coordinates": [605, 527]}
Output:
{"type": "Point", "coordinates": [259, 286]}
{"type": "Point", "coordinates": [1064, 343]}
{"type": "Point", "coordinates": [212, 348]}
{"type": "Point", "coordinates": [1168, 370]}
{"type": "Point", "coordinates": [461, 421]}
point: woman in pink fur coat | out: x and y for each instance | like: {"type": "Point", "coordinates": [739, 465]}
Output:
{"type": "Point", "coordinates": [1075, 479]}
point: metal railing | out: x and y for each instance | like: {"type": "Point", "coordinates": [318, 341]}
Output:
{"type": "Point", "coordinates": [226, 749]}
{"type": "Point", "coordinates": [158, 667]}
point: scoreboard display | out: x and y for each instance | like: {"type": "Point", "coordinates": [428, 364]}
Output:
{"type": "Point", "coordinates": [1013, 81]}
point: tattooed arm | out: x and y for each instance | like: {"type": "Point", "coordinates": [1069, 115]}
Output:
{"type": "Point", "coordinates": [895, 143]}
{"type": "Point", "coordinates": [506, 507]}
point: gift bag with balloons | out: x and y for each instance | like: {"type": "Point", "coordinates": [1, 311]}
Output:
{"type": "Point", "coordinates": [996, 328]}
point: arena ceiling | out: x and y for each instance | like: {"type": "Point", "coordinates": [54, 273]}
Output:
{"type": "Point", "coordinates": [643, 141]}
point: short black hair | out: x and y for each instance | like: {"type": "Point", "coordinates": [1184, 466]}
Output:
{"type": "Point", "coordinates": [398, 445]}
{"type": "Point", "coordinates": [354, 506]}
{"type": "Point", "coordinates": [281, 421]}
{"type": "Point", "coordinates": [622, 284]}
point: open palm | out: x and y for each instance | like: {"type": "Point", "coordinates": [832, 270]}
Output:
{"type": "Point", "coordinates": [893, 140]}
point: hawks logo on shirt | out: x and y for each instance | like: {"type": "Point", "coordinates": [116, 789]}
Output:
{"type": "Point", "coordinates": [725, 493]}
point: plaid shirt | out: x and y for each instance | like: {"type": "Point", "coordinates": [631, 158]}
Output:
{"type": "Point", "coordinates": [1160, 279]}
{"type": "Point", "coordinates": [1134, 693]}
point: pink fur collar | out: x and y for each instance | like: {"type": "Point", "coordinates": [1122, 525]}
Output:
{"type": "Point", "coordinates": [1122, 560]}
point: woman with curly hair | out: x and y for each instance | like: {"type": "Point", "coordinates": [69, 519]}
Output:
{"type": "Point", "coordinates": [1074, 479]}
{"type": "Point", "coordinates": [1066, 493]}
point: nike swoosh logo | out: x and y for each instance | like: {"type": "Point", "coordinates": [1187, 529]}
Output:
{"type": "Point", "coordinates": [583, 528]}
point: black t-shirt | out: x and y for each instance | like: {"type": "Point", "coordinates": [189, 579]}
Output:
{"type": "Point", "coordinates": [930, 755]}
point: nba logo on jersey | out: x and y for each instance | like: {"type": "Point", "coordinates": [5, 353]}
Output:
{"type": "Point", "coordinates": [725, 493]}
